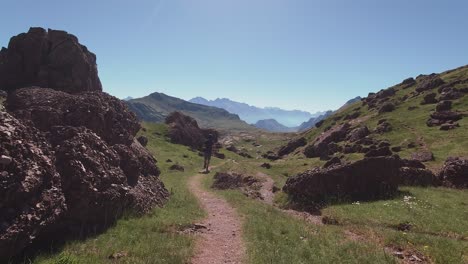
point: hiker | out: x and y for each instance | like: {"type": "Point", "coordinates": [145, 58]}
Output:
{"type": "Point", "coordinates": [208, 150]}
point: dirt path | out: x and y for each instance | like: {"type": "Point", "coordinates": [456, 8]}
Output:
{"type": "Point", "coordinates": [221, 242]}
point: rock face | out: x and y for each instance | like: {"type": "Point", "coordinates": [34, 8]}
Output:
{"type": "Point", "coordinates": [184, 130]}
{"type": "Point", "coordinates": [454, 173]}
{"type": "Point", "coordinates": [69, 160]}
{"type": "Point", "coordinates": [292, 146]}
{"type": "Point", "coordinates": [422, 156]}
{"type": "Point", "coordinates": [322, 147]}
{"type": "Point", "coordinates": [429, 82]}
{"type": "Point", "coordinates": [52, 58]}
{"type": "Point", "coordinates": [370, 178]}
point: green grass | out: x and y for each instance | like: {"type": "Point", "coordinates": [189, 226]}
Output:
{"type": "Point", "coordinates": [275, 237]}
{"type": "Point", "coordinates": [152, 238]}
{"type": "Point", "coordinates": [410, 126]}
{"type": "Point", "coordinates": [438, 217]}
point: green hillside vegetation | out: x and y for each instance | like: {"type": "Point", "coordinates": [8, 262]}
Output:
{"type": "Point", "coordinates": [157, 106]}
{"type": "Point", "coordinates": [427, 223]}
{"type": "Point", "coordinates": [409, 126]}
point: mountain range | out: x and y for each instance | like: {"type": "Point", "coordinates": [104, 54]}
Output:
{"type": "Point", "coordinates": [157, 106]}
{"type": "Point", "coordinates": [252, 114]}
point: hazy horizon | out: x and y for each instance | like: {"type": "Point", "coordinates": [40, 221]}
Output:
{"type": "Point", "coordinates": [295, 55]}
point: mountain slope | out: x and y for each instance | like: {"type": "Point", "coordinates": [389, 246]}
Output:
{"type": "Point", "coordinates": [156, 106]}
{"type": "Point", "coordinates": [272, 125]}
{"type": "Point", "coordinates": [252, 114]}
{"type": "Point", "coordinates": [412, 116]}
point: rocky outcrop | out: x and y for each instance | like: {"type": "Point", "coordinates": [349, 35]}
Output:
{"type": "Point", "coordinates": [370, 178]}
{"type": "Point", "coordinates": [358, 133]}
{"type": "Point", "coordinates": [422, 156]}
{"type": "Point", "coordinates": [454, 173]}
{"type": "Point", "coordinates": [322, 147]}
{"type": "Point", "coordinates": [103, 114]}
{"type": "Point", "coordinates": [444, 106]}
{"type": "Point", "coordinates": [429, 99]}
{"type": "Point", "coordinates": [52, 58]}
{"type": "Point", "coordinates": [383, 126]}
{"type": "Point", "coordinates": [386, 107]}
{"type": "Point", "coordinates": [407, 83]}
{"type": "Point", "coordinates": [184, 130]}
{"type": "Point", "coordinates": [411, 176]}
{"type": "Point", "coordinates": [443, 117]}
{"type": "Point", "coordinates": [69, 160]}
{"type": "Point", "coordinates": [292, 146]}
{"type": "Point", "coordinates": [428, 83]}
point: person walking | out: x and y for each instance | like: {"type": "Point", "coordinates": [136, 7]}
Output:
{"type": "Point", "coordinates": [208, 149]}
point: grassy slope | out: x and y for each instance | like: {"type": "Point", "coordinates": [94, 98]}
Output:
{"type": "Point", "coordinates": [152, 238]}
{"type": "Point", "coordinates": [410, 126]}
{"type": "Point", "coordinates": [275, 237]}
{"type": "Point", "coordinates": [437, 215]}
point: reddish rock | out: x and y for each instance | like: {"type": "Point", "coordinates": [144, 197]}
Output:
{"type": "Point", "coordinates": [451, 94]}
{"type": "Point", "coordinates": [417, 177]}
{"type": "Point", "coordinates": [184, 130]}
{"type": "Point", "coordinates": [429, 99]}
{"type": "Point", "coordinates": [370, 178]}
{"type": "Point", "coordinates": [379, 152]}
{"type": "Point", "coordinates": [69, 162]}
{"type": "Point", "coordinates": [321, 146]}
{"type": "Point", "coordinates": [292, 146]}
{"type": "Point", "coordinates": [444, 106]}
{"type": "Point", "coordinates": [104, 114]}
{"type": "Point", "coordinates": [442, 117]}
{"type": "Point", "coordinates": [429, 82]}
{"type": "Point", "coordinates": [52, 58]}
{"type": "Point", "coordinates": [31, 196]}
{"type": "Point", "coordinates": [449, 126]}
{"type": "Point", "coordinates": [423, 156]}
{"type": "Point", "coordinates": [408, 83]}
{"type": "Point", "coordinates": [454, 173]}
{"type": "Point", "coordinates": [358, 133]}
{"type": "Point", "coordinates": [386, 107]}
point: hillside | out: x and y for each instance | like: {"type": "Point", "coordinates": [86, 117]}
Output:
{"type": "Point", "coordinates": [271, 125]}
{"type": "Point", "coordinates": [157, 106]}
{"type": "Point", "coordinates": [410, 117]}
{"type": "Point", "coordinates": [252, 114]}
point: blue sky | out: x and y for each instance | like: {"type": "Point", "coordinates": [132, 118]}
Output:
{"type": "Point", "coordinates": [295, 54]}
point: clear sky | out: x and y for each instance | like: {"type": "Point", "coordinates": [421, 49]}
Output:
{"type": "Point", "coordinates": [295, 54]}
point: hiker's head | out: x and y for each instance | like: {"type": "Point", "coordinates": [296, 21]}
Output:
{"type": "Point", "coordinates": [210, 136]}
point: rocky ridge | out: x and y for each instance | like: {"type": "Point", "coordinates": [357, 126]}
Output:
{"type": "Point", "coordinates": [69, 159]}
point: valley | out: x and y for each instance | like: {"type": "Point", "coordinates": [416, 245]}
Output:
{"type": "Point", "coordinates": [88, 178]}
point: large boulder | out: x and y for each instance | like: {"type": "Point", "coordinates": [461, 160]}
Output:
{"type": "Point", "coordinates": [31, 196]}
{"type": "Point", "coordinates": [370, 178]}
{"type": "Point", "coordinates": [358, 133]}
{"type": "Point", "coordinates": [69, 159]}
{"type": "Point", "coordinates": [454, 173]}
{"type": "Point", "coordinates": [386, 107]}
{"type": "Point", "coordinates": [442, 117]}
{"type": "Point", "coordinates": [429, 99]}
{"type": "Point", "coordinates": [104, 114]}
{"type": "Point", "coordinates": [444, 106]}
{"type": "Point", "coordinates": [51, 58]}
{"type": "Point", "coordinates": [184, 130]}
{"type": "Point", "coordinates": [292, 146]}
{"type": "Point", "coordinates": [428, 83]}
